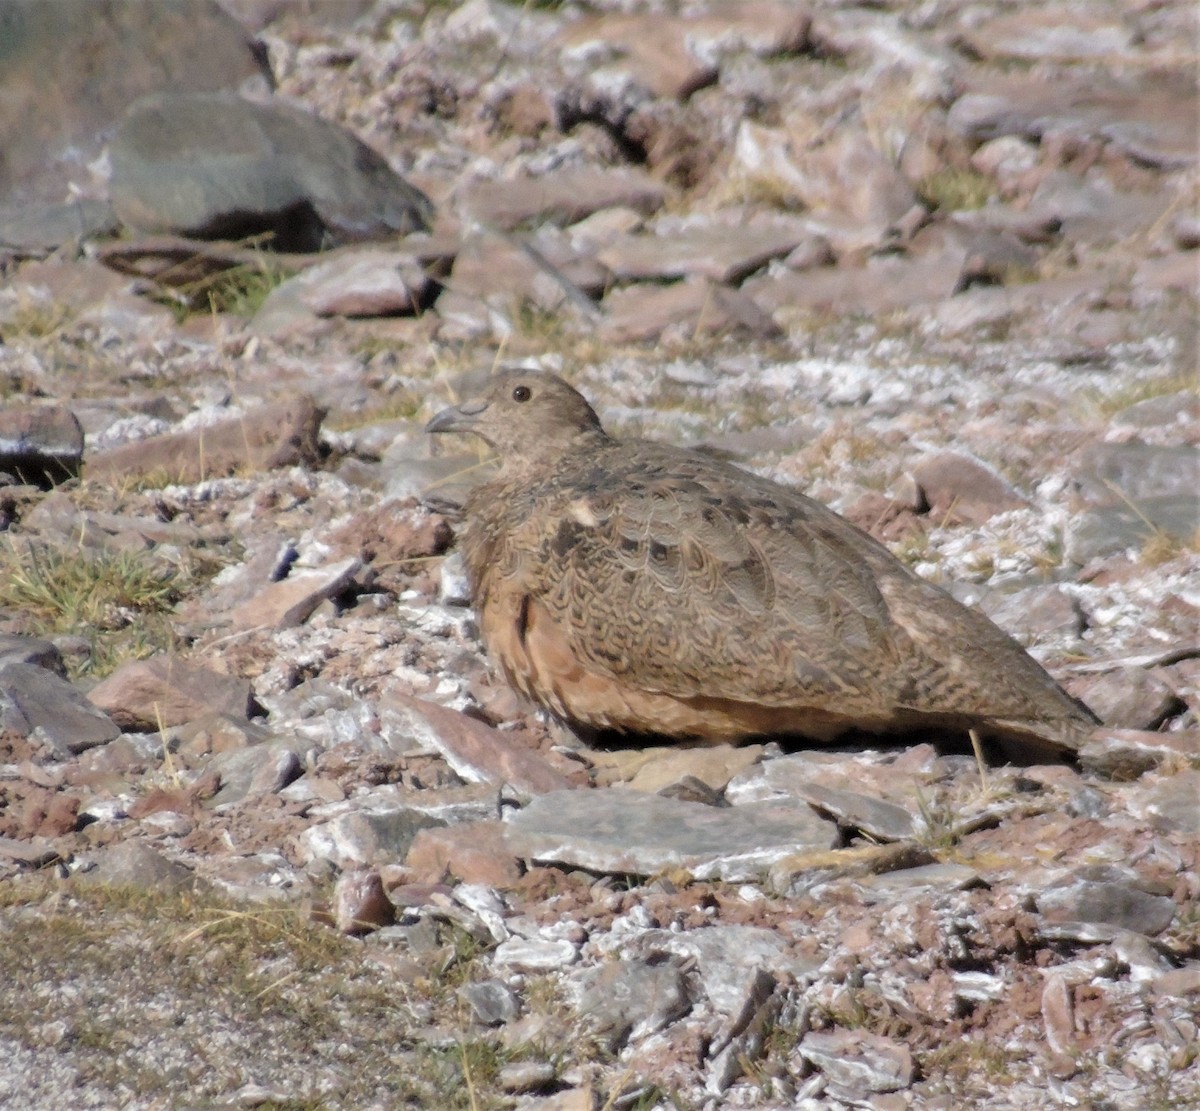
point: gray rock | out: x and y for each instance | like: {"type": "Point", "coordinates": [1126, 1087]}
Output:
{"type": "Point", "coordinates": [535, 954]}
{"type": "Point", "coordinates": [1128, 492]}
{"type": "Point", "coordinates": [859, 1061]}
{"type": "Point", "coordinates": [367, 836]}
{"type": "Point", "coordinates": [1171, 803]}
{"type": "Point", "coordinates": [70, 68]}
{"type": "Point", "coordinates": [883, 820]}
{"type": "Point", "coordinates": [1096, 533]}
{"type": "Point", "coordinates": [217, 166]}
{"type": "Point", "coordinates": [31, 650]}
{"type": "Point", "coordinates": [561, 198]}
{"type": "Point", "coordinates": [261, 769]}
{"type": "Point", "coordinates": [40, 446]}
{"type": "Point", "coordinates": [720, 250]}
{"type": "Point", "coordinates": [681, 312]}
{"type": "Point", "coordinates": [1150, 122]}
{"type": "Point", "coordinates": [1161, 412]}
{"type": "Point", "coordinates": [454, 588]}
{"type": "Point", "coordinates": [37, 229]}
{"type": "Point", "coordinates": [1035, 614]}
{"type": "Point", "coordinates": [736, 965]}
{"type": "Point", "coordinates": [492, 1002]}
{"type": "Point", "coordinates": [614, 830]}
{"type": "Point", "coordinates": [1126, 754]}
{"type": "Point", "coordinates": [1033, 35]}
{"type": "Point", "coordinates": [1106, 474]}
{"type": "Point", "coordinates": [627, 1000]}
{"type": "Point", "coordinates": [36, 703]}
{"type": "Point", "coordinates": [881, 284]}
{"type": "Point", "coordinates": [1111, 899]}
{"type": "Point", "coordinates": [527, 1076]}
{"type": "Point", "coordinates": [947, 875]}
{"type": "Point", "coordinates": [132, 864]}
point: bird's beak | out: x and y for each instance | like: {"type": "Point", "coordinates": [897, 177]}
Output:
{"type": "Point", "coordinates": [458, 418]}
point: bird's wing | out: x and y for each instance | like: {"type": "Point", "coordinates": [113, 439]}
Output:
{"type": "Point", "coordinates": [688, 577]}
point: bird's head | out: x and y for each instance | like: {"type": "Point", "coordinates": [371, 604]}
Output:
{"type": "Point", "coordinates": [523, 415]}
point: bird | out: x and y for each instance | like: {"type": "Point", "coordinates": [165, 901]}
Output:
{"type": "Point", "coordinates": [636, 587]}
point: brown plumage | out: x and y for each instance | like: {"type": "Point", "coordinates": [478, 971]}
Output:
{"type": "Point", "coordinates": [645, 588]}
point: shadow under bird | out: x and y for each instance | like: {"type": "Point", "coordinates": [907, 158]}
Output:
{"type": "Point", "coordinates": [634, 586]}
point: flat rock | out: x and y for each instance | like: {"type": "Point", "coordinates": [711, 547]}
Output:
{"type": "Point", "coordinates": [31, 650]}
{"type": "Point", "coordinates": [131, 864]}
{"type": "Point", "coordinates": [562, 198]}
{"type": "Point", "coordinates": [144, 695]}
{"type": "Point", "coordinates": [535, 954]}
{"type": "Point", "coordinates": [360, 283]}
{"type": "Point", "coordinates": [473, 852]}
{"type": "Point", "coordinates": [276, 435]}
{"type": "Point", "coordinates": [725, 253]}
{"type": "Point", "coordinates": [881, 285]}
{"type": "Point", "coordinates": [83, 293]}
{"type": "Point", "coordinates": [883, 820]}
{"type": "Point", "coordinates": [291, 601]}
{"type": "Point", "coordinates": [626, 832]}
{"type": "Point", "coordinates": [36, 229]}
{"type": "Point", "coordinates": [1109, 897]}
{"type": "Point", "coordinates": [648, 51]}
{"type": "Point", "coordinates": [492, 1002]}
{"type": "Point", "coordinates": [40, 445]}
{"type": "Point", "coordinates": [673, 57]}
{"type": "Point", "coordinates": [38, 704]}
{"type": "Point", "coordinates": [57, 518]}
{"type": "Point", "coordinates": [507, 272]}
{"type": "Point", "coordinates": [1095, 533]}
{"type": "Point", "coordinates": [653, 769]}
{"type": "Point", "coordinates": [791, 776]}
{"type": "Point", "coordinates": [1150, 122]}
{"type": "Point", "coordinates": [963, 489]}
{"type": "Point", "coordinates": [1034, 614]}
{"type": "Point", "coordinates": [476, 751]}
{"type": "Point", "coordinates": [364, 836]}
{"type": "Point", "coordinates": [901, 882]}
{"type": "Point", "coordinates": [1091, 212]}
{"type": "Point", "coordinates": [216, 166]}
{"type": "Point", "coordinates": [1126, 754]}
{"type": "Point", "coordinates": [1130, 698]}
{"type": "Point", "coordinates": [1108, 474]}
{"type": "Point", "coordinates": [1172, 803]}
{"type": "Point", "coordinates": [1033, 35]}
{"type": "Point", "coordinates": [682, 311]}
{"type": "Point", "coordinates": [859, 1061]}
{"type": "Point", "coordinates": [260, 769]}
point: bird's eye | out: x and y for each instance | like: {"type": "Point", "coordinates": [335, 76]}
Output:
{"type": "Point", "coordinates": [522, 393]}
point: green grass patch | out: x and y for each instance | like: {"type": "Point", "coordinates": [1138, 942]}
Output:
{"type": "Point", "coordinates": [953, 189]}
{"type": "Point", "coordinates": [119, 601]}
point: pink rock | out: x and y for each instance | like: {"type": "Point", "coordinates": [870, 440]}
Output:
{"type": "Point", "coordinates": [476, 751]}
{"type": "Point", "coordinates": [472, 853]}
{"type": "Point", "coordinates": [145, 695]}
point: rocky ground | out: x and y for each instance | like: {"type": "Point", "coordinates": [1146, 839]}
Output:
{"type": "Point", "coordinates": [271, 832]}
